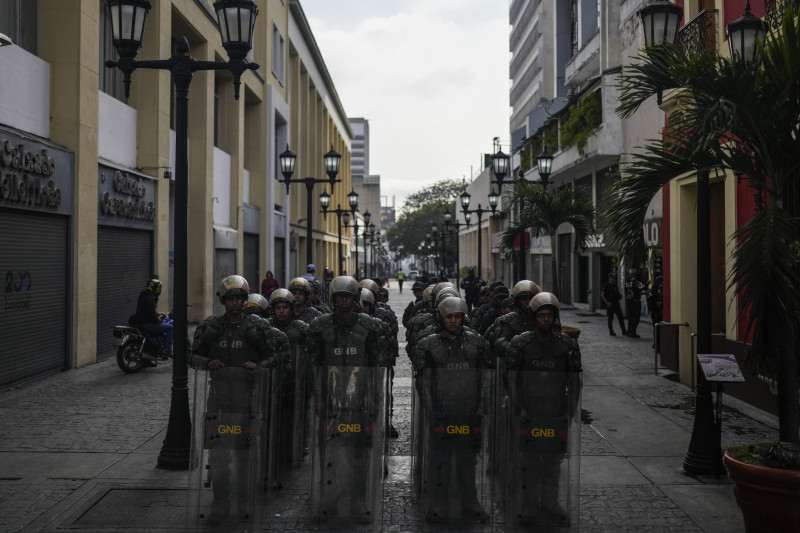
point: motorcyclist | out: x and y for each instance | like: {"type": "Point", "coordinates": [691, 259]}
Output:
{"type": "Point", "coordinates": [147, 318]}
{"type": "Point", "coordinates": [543, 395]}
{"type": "Point", "coordinates": [233, 340]}
{"type": "Point", "coordinates": [453, 398]}
{"type": "Point", "coordinates": [301, 290]}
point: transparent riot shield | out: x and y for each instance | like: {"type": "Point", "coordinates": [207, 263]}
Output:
{"type": "Point", "coordinates": [543, 477]}
{"type": "Point", "coordinates": [457, 432]}
{"type": "Point", "coordinates": [499, 448]}
{"type": "Point", "coordinates": [227, 449]}
{"type": "Point", "coordinates": [293, 408]}
{"type": "Point", "coordinates": [274, 432]}
{"type": "Point", "coordinates": [349, 435]}
{"type": "Point", "coordinates": [416, 441]}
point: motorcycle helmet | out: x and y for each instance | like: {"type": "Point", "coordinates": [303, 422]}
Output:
{"type": "Point", "coordinates": [256, 304]}
{"type": "Point", "coordinates": [525, 287]}
{"type": "Point", "coordinates": [281, 295]}
{"type": "Point", "coordinates": [299, 284]}
{"type": "Point", "coordinates": [153, 286]}
{"type": "Point", "coordinates": [545, 299]}
{"type": "Point", "coordinates": [233, 285]}
{"type": "Point", "coordinates": [344, 284]}
{"type": "Point", "coordinates": [370, 285]}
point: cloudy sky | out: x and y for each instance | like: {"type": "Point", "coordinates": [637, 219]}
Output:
{"type": "Point", "coordinates": [431, 76]}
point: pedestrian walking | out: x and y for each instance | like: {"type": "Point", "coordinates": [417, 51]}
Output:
{"type": "Point", "coordinates": [611, 297]}
{"type": "Point", "coordinates": [401, 277]}
{"type": "Point", "coordinates": [633, 302]}
{"type": "Point", "coordinates": [268, 285]}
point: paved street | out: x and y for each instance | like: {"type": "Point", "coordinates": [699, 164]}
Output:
{"type": "Point", "coordinates": [78, 450]}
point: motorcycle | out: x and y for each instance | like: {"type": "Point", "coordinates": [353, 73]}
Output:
{"type": "Point", "coordinates": [136, 349]}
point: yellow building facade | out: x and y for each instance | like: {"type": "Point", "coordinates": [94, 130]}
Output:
{"type": "Point", "coordinates": [110, 163]}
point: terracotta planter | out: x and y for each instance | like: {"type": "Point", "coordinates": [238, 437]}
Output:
{"type": "Point", "coordinates": [574, 333]}
{"type": "Point", "coordinates": [768, 497]}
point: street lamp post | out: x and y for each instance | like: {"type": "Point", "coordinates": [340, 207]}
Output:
{"type": "Point", "coordinates": [544, 164]}
{"type": "Point", "coordinates": [453, 228]}
{"type": "Point", "coordinates": [369, 233]}
{"type": "Point", "coordinates": [341, 214]}
{"type": "Point", "coordinates": [236, 19]}
{"type": "Point", "coordinates": [287, 161]}
{"type": "Point", "coordinates": [465, 201]}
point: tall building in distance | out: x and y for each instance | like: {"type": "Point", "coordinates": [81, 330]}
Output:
{"type": "Point", "coordinates": [360, 148]}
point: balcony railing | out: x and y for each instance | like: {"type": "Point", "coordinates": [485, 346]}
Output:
{"type": "Point", "coordinates": [773, 12]}
{"type": "Point", "coordinates": [700, 33]}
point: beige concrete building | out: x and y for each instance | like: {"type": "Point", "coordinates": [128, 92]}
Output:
{"type": "Point", "coordinates": [87, 176]}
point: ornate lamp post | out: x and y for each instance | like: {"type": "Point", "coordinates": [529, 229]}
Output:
{"type": "Point", "coordinates": [465, 201]}
{"type": "Point", "coordinates": [661, 21]}
{"type": "Point", "coordinates": [236, 19]}
{"type": "Point", "coordinates": [341, 215]}
{"type": "Point", "coordinates": [287, 161]}
{"type": "Point", "coordinates": [743, 33]}
{"type": "Point", "coordinates": [453, 227]}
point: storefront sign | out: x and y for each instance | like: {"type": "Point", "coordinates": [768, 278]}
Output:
{"type": "Point", "coordinates": [126, 198]}
{"type": "Point", "coordinates": [33, 175]}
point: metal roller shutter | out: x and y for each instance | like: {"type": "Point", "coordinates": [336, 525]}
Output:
{"type": "Point", "coordinates": [250, 270]}
{"type": "Point", "coordinates": [33, 316]}
{"type": "Point", "coordinates": [224, 265]}
{"type": "Point", "coordinates": [124, 264]}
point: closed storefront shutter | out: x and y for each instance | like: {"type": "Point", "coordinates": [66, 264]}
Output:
{"type": "Point", "coordinates": [34, 263]}
{"type": "Point", "coordinates": [124, 264]}
{"type": "Point", "coordinates": [251, 261]}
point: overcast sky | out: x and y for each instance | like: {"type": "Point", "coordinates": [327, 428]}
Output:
{"type": "Point", "coordinates": [431, 76]}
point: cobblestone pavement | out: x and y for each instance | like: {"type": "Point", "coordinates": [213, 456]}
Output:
{"type": "Point", "coordinates": [69, 440]}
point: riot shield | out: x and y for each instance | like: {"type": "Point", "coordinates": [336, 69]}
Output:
{"type": "Point", "coordinates": [499, 449]}
{"type": "Point", "coordinates": [543, 475]}
{"type": "Point", "coordinates": [416, 440]}
{"type": "Point", "coordinates": [293, 408]}
{"type": "Point", "coordinates": [349, 435]}
{"type": "Point", "coordinates": [274, 431]}
{"type": "Point", "coordinates": [456, 424]}
{"type": "Point", "coordinates": [227, 450]}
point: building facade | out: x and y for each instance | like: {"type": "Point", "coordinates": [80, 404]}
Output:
{"type": "Point", "coordinates": [87, 175]}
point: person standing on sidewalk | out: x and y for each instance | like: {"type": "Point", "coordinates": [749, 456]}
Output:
{"type": "Point", "coordinates": [611, 297]}
{"type": "Point", "coordinates": [401, 277]}
{"type": "Point", "coordinates": [633, 303]}
{"type": "Point", "coordinates": [268, 285]}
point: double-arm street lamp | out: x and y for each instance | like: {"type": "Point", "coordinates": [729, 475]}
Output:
{"type": "Point", "coordinates": [544, 164]}
{"type": "Point", "coordinates": [369, 236]}
{"type": "Point", "coordinates": [287, 161]}
{"type": "Point", "coordinates": [452, 227]}
{"type": "Point", "coordinates": [236, 19]}
{"type": "Point", "coordinates": [341, 215]}
{"type": "Point", "coordinates": [465, 201]}
{"type": "Point", "coordinates": [367, 216]}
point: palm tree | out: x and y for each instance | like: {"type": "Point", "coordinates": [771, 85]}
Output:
{"type": "Point", "coordinates": [544, 210]}
{"type": "Point", "coordinates": [740, 118]}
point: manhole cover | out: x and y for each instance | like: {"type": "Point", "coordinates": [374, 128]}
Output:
{"type": "Point", "coordinates": [137, 508]}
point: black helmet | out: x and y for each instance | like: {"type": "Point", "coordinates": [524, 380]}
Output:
{"type": "Point", "coordinates": [153, 286]}
{"type": "Point", "coordinates": [231, 286]}
{"type": "Point", "coordinates": [470, 270]}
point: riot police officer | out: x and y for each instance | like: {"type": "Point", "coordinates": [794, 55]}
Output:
{"type": "Point", "coordinates": [343, 346]}
{"type": "Point", "coordinates": [298, 382]}
{"type": "Point", "coordinates": [301, 290]}
{"type": "Point", "coordinates": [447, 367]}
{"type": "Point", "coordinates": [257, 305]}
{"type": "Point", "coordinates": [512, 324]}
{"type": "Point", "coordinates": [544, 385]}
{"type": "Point", "coordinates": [410, 309]}
{"type": "Point", "coordinates": [236, 341]}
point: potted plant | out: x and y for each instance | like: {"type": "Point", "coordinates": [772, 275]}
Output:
{"type": "Point", "coordinates": [739, 116]}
